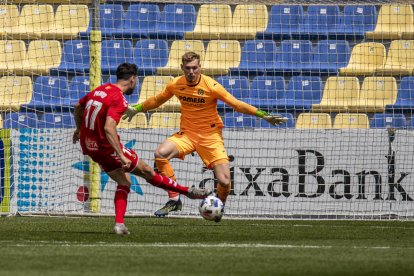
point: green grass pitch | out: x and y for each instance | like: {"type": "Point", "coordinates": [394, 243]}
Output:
{"type": "Point", "coordinates": [177, 246]}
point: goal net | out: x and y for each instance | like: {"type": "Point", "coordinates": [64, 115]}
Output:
{"type": "Point", "coordinates": [341, 73]}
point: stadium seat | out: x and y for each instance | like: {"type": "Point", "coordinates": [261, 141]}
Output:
{"type": "Point", "coordinates": [351, 120]}
{"type": "Point", "coordinates": [133, 98]}
{"type": "Point", "coordinates": [393, 21]}
{"type": "Point", "coordinates": [69, 21]}
{"type": "Point", "coordinates": [220, 56]}
{"type": "Point", "coordinates": [289, 124]}
{"type": "Point", "coordinates": [111, 20]}
{"type": "Point", "coordinates": [165, 120]}
{"type": "Point", "coordinates": [329, 56]}
{"type": "Point", "coordinates": [314, 120]}
{"type": "Point", "coordinates": [75, 58]}
{"type": "Point", "coordinates": [302, 92]}
{"type": "Point", "coordinates": [338, 94]}
{"type": "Point", "coordinates": [247, 21]}
{"type": "Point", "coordinates": [376, 93]}
{"type": "Point", "coordinates": [213, 20]}
{"type": "Point", "coordinates": [139, 21]}
{"type": "Point", "coordinates": [234, 119]}
{"type": "Point", "coordinates": [284, 22]}
{"type": "Point", "coordinates": [175, 20]}
{"type": "Point", "coordinates": [12, 55]}
{"type": "Point", "coordinates": [115, 52]}
{"type": "Point", "coordinates": [294, 56]}
{"type": "Point", "coordinates": [1, 122]}
{"type": "Point", "coordinates": [152, 85]}
{"type": "Point", "coordinates": [149, 54]}
{"type": "Point", "coordinates": [238, 86]}
{"type": "Point", "coordinates": [356, 21]}
{"type": "Point", "coordinates": [400, 59]}
{"type": "Point", "coordinates": [34, 20]}
{"type": "Point", "coordinates": [21, 120]}
{"type": "Point", "coordinates": [257, 56]}
{"type": "Point", "coordinates": [49, 94]}
{"type": "Point", "coordinates": [79, 86]}
{"type": "Point", "coordinates": [382, 120]}
{"type": "Point", "coordinates": [138, 121]}
{"type": "Point", "coordinates": [320, 21]}
{"type": "Point", "coordinates": [365, 59]}
{"type": "Point", "coordinates": [9, 19]}
{"type": "Point", "coordinates": [57, 120]}
{"type": "Point", "coordinates": [14, 92]}
{"type": "Point", "coordinates": [266, 92]}
{"type": "Point", "coordinates": [405, 97]}
{"type": "Point", "coordinates": [178, 48]}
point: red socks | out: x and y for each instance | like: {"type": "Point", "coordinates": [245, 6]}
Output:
{"type": "Point", "coordinates": [166, 183]}
{"type": "Point", "coordinates": [120, 200]}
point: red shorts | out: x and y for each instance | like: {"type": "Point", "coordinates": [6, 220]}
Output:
{"type": "Point", "coordinates": [111, 162]}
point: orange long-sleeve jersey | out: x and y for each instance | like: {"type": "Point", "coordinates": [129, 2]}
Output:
{"type": "Point", "coordinates": [198, 102]}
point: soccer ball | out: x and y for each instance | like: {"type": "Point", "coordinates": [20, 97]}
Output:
{"type": "Point", "coordinates": [211, 208]}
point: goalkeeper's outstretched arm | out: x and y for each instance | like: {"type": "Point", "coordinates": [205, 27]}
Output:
{"type": "Point", "coordinates": [148, 104]}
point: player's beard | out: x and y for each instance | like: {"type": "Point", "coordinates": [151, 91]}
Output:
{"type": "Point", "coordinates": [129, 91]}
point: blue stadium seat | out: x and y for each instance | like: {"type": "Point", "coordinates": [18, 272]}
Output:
{"type": "Point", "coordinates": [405, 97]}
{"type": "Point", "coordinates": [49, 94]}
{"type": "Point", "coordinates": [111, 20]}
{"type": "Point", "coordinates": [115, 52]}
{"type": "Point", "coordinates": [294, 56]}
{"type": "Point", "coordinates": [257, 57]}
{"type": "Point", "coordinates": [284, 21]}
{"type": "Point", "coordinates": [289, 124]}
{"type": "Point", "coordinates": [356, 21]}
{"type": "Point", "coordinates": [139, 21]}
{"type": "Point", "coordinates": [239, 120]}
{"type": "Point", "coordinates": [266, 91]}
{"type": "Point", "coordinates": [302, 92]}
{"type": "Point", "coordinates": [79, 86]}
{"type": "Point", "coordinates": [238, 86]}
{"type": "Point", "coordinates": [133, 98]}
{"type": "Point", "coordinates": [21, 120]}
{"type": "Point", "coordinates": [381, 120]}
{"type": "Point", "coordinates": [57, 120]}
{"type": "Point", "coordinates": [175, 20]}
{"type": "Point", "coordinates": [329, 56]}
{"type": "Point", "coordinates": [75, 58]}
{"type": "Point", "coordinates": [149, 54]}
{"type": "Point", "coordinates": [320, 21]}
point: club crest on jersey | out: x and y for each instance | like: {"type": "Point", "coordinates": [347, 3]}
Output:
{"type": "Point", "coordinates": [200, 92]}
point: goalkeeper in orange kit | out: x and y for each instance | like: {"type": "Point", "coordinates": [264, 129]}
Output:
{"type": "Point", "coordinates": [200, 126]}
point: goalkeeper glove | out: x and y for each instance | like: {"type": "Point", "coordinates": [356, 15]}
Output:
{"type": "Point", "coordinates": [131, 111]}
{"type": "Point", "coordinates": [272, 119]}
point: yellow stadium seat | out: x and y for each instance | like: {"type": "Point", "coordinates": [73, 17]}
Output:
{"type": "Point", "coordinates": [34, 20]}
{"type": "Point", "coordinates": [339, 93]}
{"type": "Point", "coordinates": [165, 120]}
{"type": "Point", "coordinates": [41, 56]}
{"type": "Point", "coordinates": [138, 121]}
{"type": "Point", "coordinates": [212, 21]}
{"type": "Point", "coordinates": [152, 85]}
{"type": "Point", "coordinates": [1, 121]}
{"type": "Point", "coordinates": [69, 21]}
{"type": "Point", "coordinates": [365, 59]}
{"type": "Point", "coordinates": [393, 21]}
{"type": "Point", "coordinates": [400, 59]}
{"type": "Point", "coordinates": [314, 120]}
{"type": "Point", "coordinates": [376, 93]}
{"type": "Point", "coordinates": [351, 120]}
{"type": "Point", "coordinates": [247, 21]}
{"type": "Point", "coordinates": [178, 48]}
{"type": "Point", "coordinates": [220, 56]}
{"type": "Point", "coordinates": [9, 19]}
{"type": "Point", "coordinates": [12, 55]}
{"type": "Point", "coordinates": [15, 91]}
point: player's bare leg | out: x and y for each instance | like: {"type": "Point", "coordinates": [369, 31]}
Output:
{"type": "Point", "coordinates": [222, 173]}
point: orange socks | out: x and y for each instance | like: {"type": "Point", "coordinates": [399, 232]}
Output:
{"type": "Point", "coordinates": [165, 168]}
{"type": "Point", "coordinates": [223, 192]}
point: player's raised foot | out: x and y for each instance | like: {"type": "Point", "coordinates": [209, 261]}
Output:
{"type": "Point", "coordinates": [120, 229]}
{"type": "Point", "coordinates": [198, 193]}
{"type": "Point", "coordinates": [170, 206]}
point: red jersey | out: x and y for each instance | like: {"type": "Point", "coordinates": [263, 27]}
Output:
{"type": "Point", "coordinates": [105, 101]}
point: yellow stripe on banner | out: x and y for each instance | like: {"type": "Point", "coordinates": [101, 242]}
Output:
{"type": "Point", "coordinates": [5, 182]}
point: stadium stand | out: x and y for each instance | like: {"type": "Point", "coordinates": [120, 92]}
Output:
{"type": "Point", "coordinates": [75, 58]}
{"type": "Point", "coordinates": [329, 56]}
{"type": "Point", "coordinates": [9, 19]}
{"type": "Point", "coordinates": [56, 120]}
{"type": "Point", "coordinates": [294, 56]}
{"type": "Point", "coordinates": [79, 86]}
{"type": "Point", "coordinates": [365, 59]}
{"type": "Point", "coordinates": [405, 97]}
{"type": "Point", "coordinates": [14, 92]}
{"type": "Point", "coordinates": [247, 21]}
{"type": "Point", "coordinates": [115, 52]}
{"type": "Point", "coordinates": [314, 120]}
{"type": "Point", "coordinates": [266, 91]}
{"type": "Point", "coordinates": [34, 20]}
{"type": "Point", "coordinates": [351, 120]}
{"type": "Point", "coordinates": [152, 85]}
{"type": "Point", "coordinates": [302, 92]}
{"type": "Point", "coordinates": [42, 55]}
{"type": "Point", "coordinates": [400, 59]}
{"type": "Point", "coordinates": [1, 122]}
{"type": "Point", "coordinates": [238, 120]}
{"type": "Point", "coordinates": [69, 21]}
{"type": "Point", "coordinates": [238, 86]}
{"type": "Point", "coordinates": [165, 120]}
{"type": "Point", "coordinates": [149, 54]}
{"type": "Point", "coordinates": [381, 120]}
{"type": "Point", "coordinates": [289, 124]}
{"type": "Point", "coordinates": [21, 120]}
{"type": "Point", "coordinates": [12, 55]}
{"type": "Point", "coordinates": [356, 21]}
{"type": "Point", "coordinates": [220, 56]}
{"type": "Point", "coordinates": [138, 121]}
{"type": "Point", "coordinates": [111, 20]}
{"type": "Point", "coordinates": [320, 21]}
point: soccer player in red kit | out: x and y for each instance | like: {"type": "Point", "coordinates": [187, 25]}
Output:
{"type": "Point", "coordinates": [96, 116]}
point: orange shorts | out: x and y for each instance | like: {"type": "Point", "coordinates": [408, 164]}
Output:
{"type": "Point", "coordinates": [209, 146]}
